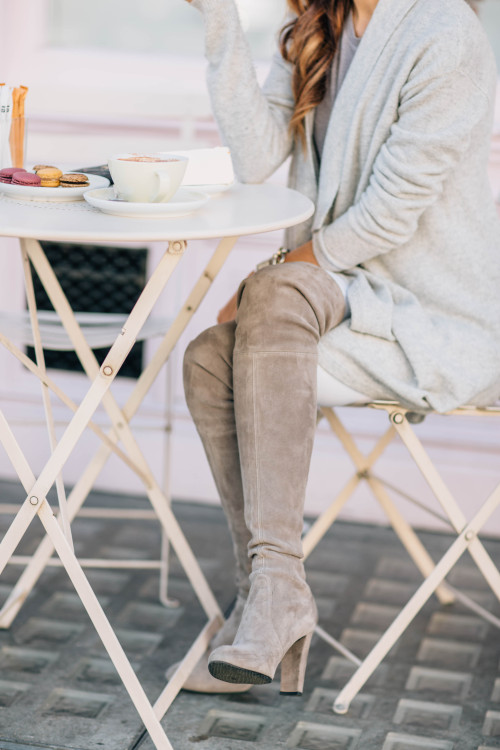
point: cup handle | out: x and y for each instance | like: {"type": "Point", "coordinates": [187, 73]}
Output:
{"type": "Point", "coordinates": [164, 183]}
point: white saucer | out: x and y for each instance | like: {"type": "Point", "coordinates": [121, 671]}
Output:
{"type": "Point", "coordinates": [185, 201]}
{"type": "Point", "coordinates": [30, 193]}
{"type": "Point", "coordinates": [213, 189]}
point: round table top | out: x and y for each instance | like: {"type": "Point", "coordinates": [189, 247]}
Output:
{"type": "Point", "coordinates": [241, 210]}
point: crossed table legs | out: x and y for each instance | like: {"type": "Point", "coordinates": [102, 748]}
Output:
{"type": "Point", "coordinates": [37, 489]}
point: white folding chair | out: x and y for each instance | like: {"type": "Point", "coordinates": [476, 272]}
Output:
{"type": "Point", "coordinates": [467, 531]}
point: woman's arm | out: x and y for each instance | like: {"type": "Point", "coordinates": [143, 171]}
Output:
{"type": "Point", "coordinates": [253, 121]}
{"type": "Point", "coordinates": [436, 120]}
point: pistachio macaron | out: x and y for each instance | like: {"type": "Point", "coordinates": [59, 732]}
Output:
{"type": "Point", "coordinates": [74, 180]}
{"type": "Point", "coordinates": [49, 176]}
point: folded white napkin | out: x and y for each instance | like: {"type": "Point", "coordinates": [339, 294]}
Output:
{"type": "Point", "coordinates": [208, 166]}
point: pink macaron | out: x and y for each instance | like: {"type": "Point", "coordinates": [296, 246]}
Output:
{"type": "Point", "coordinates": [7, 172]}
{"type": "Point", "coordinates": [26, 178]}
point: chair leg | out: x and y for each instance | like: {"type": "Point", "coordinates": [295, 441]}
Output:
{"type": "Point", "coordinates": [409, 539]}
{"type": "Point", "coordinates": [415, 604]}
{"type": "Point", "coordinates": [446, 499]}
{"type": "Point", "coordinates": [363, 464]}
{"type": "Point", "coordinates": [325, 520]}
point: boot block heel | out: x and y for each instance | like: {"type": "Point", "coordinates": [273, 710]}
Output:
{"type": "Point", "coordinates": [293, 667]}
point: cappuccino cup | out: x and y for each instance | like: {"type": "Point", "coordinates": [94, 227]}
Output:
{"type": "Point", "coordinates": [147, 178]}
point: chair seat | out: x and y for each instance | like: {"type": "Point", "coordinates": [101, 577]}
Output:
{"type": "Point", "coordinates": [99, 329]}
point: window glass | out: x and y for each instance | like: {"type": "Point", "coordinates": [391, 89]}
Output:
{"type": "Point", "coordinates": [154, 26]}
{"type": "Point", "coordinates": [172, 26]}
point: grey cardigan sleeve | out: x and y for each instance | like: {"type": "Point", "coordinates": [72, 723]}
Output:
{"type": "Point", "coordinates": [436, 120]}
{"type": "Point", "coordinates": [253, 121]}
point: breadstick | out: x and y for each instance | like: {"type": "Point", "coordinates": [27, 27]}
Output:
{"type": "Point", "coordinates": [18, 126]}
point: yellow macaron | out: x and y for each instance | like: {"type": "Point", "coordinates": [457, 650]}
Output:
{"type": "Point", "coordinates": [50, 176]}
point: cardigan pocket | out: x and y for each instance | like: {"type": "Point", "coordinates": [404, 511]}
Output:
{"type": "Point", "coordinates": [371, 306]}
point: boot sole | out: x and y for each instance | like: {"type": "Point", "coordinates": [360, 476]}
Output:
{"type": "Point", "coordinates": [221, 670]}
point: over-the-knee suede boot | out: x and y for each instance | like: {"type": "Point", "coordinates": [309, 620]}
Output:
{"type": "Point", "coordinates": [283, 311]}
{"type": "Point", "coordinates": [208, 386]}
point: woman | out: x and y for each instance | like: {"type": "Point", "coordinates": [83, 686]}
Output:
{"type": "Point", "coordinates": [393, 286]}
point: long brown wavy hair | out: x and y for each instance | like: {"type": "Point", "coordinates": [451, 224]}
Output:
{"type": "Point", "coordinates": [309, 42]}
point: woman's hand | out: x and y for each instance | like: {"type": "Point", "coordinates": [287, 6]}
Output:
{"type": "Point", "coordinates": [303, 253]}
{"type": "Point", "coordinates": [228, 312]}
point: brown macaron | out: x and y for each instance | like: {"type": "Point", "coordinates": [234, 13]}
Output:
{"type": "Point", "coordinates": [74, 180]}
{"type": "Point", "coordinates": [49, 176]}
{"type": "Point", "coordinates": [37, 167]}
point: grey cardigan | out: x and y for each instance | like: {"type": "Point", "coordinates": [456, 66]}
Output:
{"type": "Point", "coordinates": [403, 203]}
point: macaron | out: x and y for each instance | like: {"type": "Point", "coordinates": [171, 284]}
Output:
{"type": "Point", "coordinates": [42, 166]}
{"type": "Point", "coordinates": [74, 180]}
{"type": "Point", "coordinates": [49, 176]}
{"type": "Point", "coordinates": [26, 178]}
{"type": "Point", "coordinates": [7, 172]}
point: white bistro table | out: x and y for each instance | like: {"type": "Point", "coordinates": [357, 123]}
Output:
{"type": "Point", "coordinates": [242, 210]}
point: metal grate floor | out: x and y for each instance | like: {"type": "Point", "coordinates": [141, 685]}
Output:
{"type": "Point", "coordinates": [439, 689]}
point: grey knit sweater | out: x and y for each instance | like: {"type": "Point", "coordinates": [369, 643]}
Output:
{"type": "Point", "coordinates": [403, 203]}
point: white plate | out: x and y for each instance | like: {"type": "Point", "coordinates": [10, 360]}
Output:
{"type": "Point", "coordinates": [29, 193]}
{"type": "Point", "coordinates": [184, 202]}
{"type": "Point", "coordinates": [211, 189]}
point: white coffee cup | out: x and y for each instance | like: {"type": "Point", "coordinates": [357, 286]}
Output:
{"type": "Point", "coordinates": [147, 178]}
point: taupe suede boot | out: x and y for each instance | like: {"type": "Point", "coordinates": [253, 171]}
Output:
{"type": "Point", "coordinates": [208, 386]}
{"type": "Point", "coordinates": [200, 680]}
{"type": "Point", "coordinates": [283, 312]}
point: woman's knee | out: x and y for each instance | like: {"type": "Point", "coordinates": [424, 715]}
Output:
{"type": "Point", "coordinates": [263, 291]}
{"type": "Point", "coordinates": [294, 298]}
